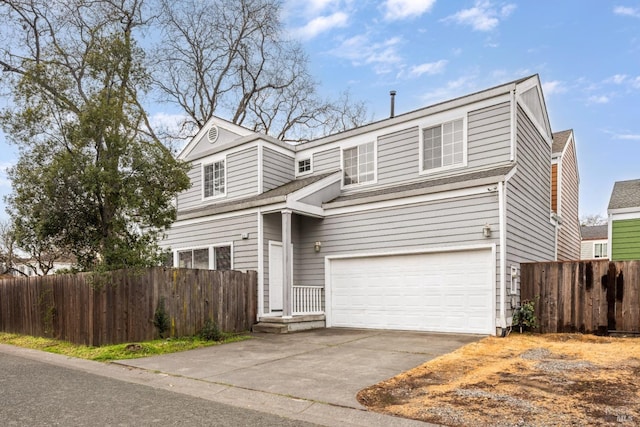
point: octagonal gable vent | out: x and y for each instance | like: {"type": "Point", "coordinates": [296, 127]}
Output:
{"type": "Point", "coordinates": [213, 133]}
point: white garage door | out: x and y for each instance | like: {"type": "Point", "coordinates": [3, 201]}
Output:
{"type": "Point", "coordinates": [443, 292]}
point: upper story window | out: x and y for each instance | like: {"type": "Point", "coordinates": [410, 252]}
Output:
{"type": "Point", "coordinates": [304, 166]}
{"type": "Point", "coordinates": [443, 146]}
{"type": "Point", "coordinates": [600, 250]}
{"type": "Point", "coordinates": [359, 164]}
{"type": "Point", "coordinates": [213, 179]}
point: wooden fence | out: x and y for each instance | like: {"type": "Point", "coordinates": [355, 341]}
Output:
{"type": "Point", "coordinates": [595, 296]}
{"type": "Point", "coordinates": [119, 306]}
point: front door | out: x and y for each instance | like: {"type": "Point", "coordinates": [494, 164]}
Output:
{"type": "Point", "coordinates": [275, 276]}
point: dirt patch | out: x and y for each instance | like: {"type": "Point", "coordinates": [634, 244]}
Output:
{"type": "Point", "coordinates": [522, 380]}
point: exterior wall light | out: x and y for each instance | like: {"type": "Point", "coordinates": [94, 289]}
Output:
{"type": "Point", "coordinates": [486, 230]}
{"type": "Point", "coordinates": [317, 246]}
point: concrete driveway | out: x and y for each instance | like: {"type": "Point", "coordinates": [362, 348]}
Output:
{"type": "Point", "coordinates": [322, 365]}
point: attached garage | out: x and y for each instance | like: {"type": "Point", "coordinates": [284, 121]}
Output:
{"type": "Point", "coordinates": [440, 292]}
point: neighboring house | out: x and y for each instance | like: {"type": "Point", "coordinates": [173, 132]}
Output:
{"type": "Point", "coordinates": [416, 222]}
{"type": "Point", "coordinates": [565, 182]}
{"type": "Point", "coordinates": [624, 221]}
{"type": "Point", "coordinates": [27, 267]}
{"type": "Point", "coordinates": [595, 240]}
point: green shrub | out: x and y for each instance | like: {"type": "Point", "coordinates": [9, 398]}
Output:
{"type": "Point", "coordinates": [525, 316]}
{"type": "Point", "coordinates": [211, 332]}
{"type": "Point", "coordinates": [161, 319]}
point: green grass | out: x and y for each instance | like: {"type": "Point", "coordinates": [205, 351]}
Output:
{"type": "Point", "coordinates": [116, 351]}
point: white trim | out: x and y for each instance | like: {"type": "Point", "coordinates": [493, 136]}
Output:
{"type": "Point", "coordinates": [221, 124]}
{"type": "Point", "coordinates": [600, 242]}
{"type": "Point", "coordinates": [438, 249]}
{"type": "Point", "coordinates": [625, 213]}
{"type": "Point", "coordinates": [503, 253]}
{"type": "Point", "coordinates": [276, 243]}
{"type": "Point", "coordinates": [610, 234]}
{"type": "Point", "coordinates": [210, 248]}
{"type": "Point", "coordinates": [545, 135]}
{"type": "Point", "coordinates": [407, 201]}
{"type": "Point", "coordinates": [260, 265]}
{"type": "Point", "coordinates": [375, 164]}
{"type": "Point", "coordinates": [213, 162]}
{"type": "Point", "coordinates": [465, 146]}
{"type": "Point", "coordinates": [297, 166]}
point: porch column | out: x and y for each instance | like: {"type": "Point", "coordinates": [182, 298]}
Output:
{"type": "Point", "coordinates": [287, 264]}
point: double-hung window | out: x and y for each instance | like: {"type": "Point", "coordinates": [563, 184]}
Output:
{"type": "Point", "coordinates": [443, 145]}
{"type": "Point", "coordinates": [359, 164]}
{"type": "Point", "coordinates": [600, 250]}
{"type": "Point", "coordinates": [213, 179]}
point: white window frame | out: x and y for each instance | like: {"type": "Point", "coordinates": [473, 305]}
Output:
{"type": "Point", "coordinates": [375, 163]}
{"type": "Point", "coordinates": [465, 145]}
{"type": "Point", "coordinates": [604, 254]}
{"type": "Point", "coordinates": [307, 172]}
{"type": "Point", "coordinates": [210, 248]}
{"type": "Point", "coordinates": [208, 162]}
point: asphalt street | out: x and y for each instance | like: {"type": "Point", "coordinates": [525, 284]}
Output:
{"type": "Point", "coordinates": [34, 393]}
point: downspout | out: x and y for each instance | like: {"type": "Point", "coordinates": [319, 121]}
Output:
{"type": "Point", "coordinates": [503, 256]}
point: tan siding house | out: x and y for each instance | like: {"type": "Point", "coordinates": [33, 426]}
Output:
{"type": "Point", "coordinates": [565, 182]}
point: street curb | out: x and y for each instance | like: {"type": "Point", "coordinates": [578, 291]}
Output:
{"type": "Point", "coordinates": [284, 406]}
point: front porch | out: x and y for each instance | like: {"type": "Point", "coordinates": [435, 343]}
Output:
{"type": "Point", "coordinates": [307, 313]}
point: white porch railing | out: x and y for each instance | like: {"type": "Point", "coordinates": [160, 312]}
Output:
{"type": "Point", "coordinates": [307, 300]}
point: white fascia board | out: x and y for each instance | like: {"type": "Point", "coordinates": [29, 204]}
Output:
{"type": "Point", "coordinates": [316, 186]}
{"type": "Point", "coordinates": [622, 214]}
{"type": "Point", "coordinates": [260, 311]}
{"type": "Point", "coordinates": [545, 134]}
{"type": "Point", "coordinates": [221, 123]}
{"type": "Point", "coordinates": [528, 84]}
{"type": "Point", "coordinates": [442, 195]}
{"type": "Point", "coordinates": [421, 118]}
{"type": "Point", "coordinates": [247, 142]}
{"type": "Point", "coordinates": [305, 209]}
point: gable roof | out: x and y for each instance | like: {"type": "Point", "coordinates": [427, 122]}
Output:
{"type": "Point", "coordinates": [625, 194]}
{"type": "Point", "coordinates": [560, 140]}
{"type": "Point", "coordinates": [595, 232]}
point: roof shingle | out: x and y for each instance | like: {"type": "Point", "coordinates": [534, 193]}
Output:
{"type": "Point", "coordinates": [625, 194]}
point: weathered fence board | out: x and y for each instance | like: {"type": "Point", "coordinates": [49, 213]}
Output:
{"type": "Point", "coordinates": [594, 296]}
{"type": "Point", "coordinates": [119, 306]}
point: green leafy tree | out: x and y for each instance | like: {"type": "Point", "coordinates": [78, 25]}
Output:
{"type": "Point", "coordinates": [92, 179]}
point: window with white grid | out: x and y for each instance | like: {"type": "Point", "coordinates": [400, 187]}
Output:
{"type": "Point", "coordinates": [359, 164]}
{"type": "Point", "coordinates": [443, 145]}
{"type": "Point", "coordinates": [213, 179]}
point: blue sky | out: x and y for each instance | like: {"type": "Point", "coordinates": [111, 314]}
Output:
{"type": "Point", "coordinates": [586, 52]}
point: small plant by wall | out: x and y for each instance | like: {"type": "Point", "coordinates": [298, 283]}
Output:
{"type": "Point", "coordinates": [525, 316]}
{"type": "Point", "coordinates": [161, 319]}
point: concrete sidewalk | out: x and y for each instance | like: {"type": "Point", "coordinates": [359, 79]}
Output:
{"type": "Point", "coordinates": [312, 376]}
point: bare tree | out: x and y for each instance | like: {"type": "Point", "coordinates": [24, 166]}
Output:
{"type": "Point", "coordinates": [232, 59]}
{"type": "Point", "coordinates": [593, 219]}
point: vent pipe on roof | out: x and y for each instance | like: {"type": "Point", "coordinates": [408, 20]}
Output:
{"type": "Point", "coordinates": [393, 103]}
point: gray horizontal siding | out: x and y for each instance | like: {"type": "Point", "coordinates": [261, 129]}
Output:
{"type": "Point", "coordinates": [277, 169]}
{"type": "Point", "coordinates": [455, 222]}
{"type": "Point", "coordinates": [242, 173]}
{"type": "Point", "coordinates": [216, 231]}
{"type": "Point", "coordinates": [489, 135]}
{"type": "Point", "coordinates": [192, 197]}
{"type": "Point", "coordinates": [325, 161]}
{"type": "Point", "coordinates": [530, 235]}
{"type": "Point", "coordinates": [398, 156]}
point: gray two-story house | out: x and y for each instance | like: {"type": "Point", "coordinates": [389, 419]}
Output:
{"type": "Point", "coordinates": [415, 222]}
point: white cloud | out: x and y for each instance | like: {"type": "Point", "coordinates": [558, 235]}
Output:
{"type": "Point", "coordinates": [321, 24]}
{"type": "Point", "coordinates": [617, 79]}
{"type": "Point", "coordinates": [626, 136]}
{"type": "Point", "coordinates": [601, 99]}
{"type": "Point", "coordinates": [403, 9]}
{"type": "Point", "coordinates": [636, 82]}
{"type": "Point", "coordinates": [553, 87]}
{"type": "Point", "coordinates": [627, 11]}
{"type": "Point", "coordinates": [429, 68]}
{"type": "Point", "coordinates": [483, 16]}
{"type": "Point", "coordinates": [451, 89]}
{"type": "Point", "coordinates": [360, 50]}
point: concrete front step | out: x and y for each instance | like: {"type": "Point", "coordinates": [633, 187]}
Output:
{"type": "Point", "coordinates": [280, 325]}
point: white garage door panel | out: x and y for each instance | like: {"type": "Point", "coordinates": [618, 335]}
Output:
{"type": "Point", "coordinates": [445, 292]}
